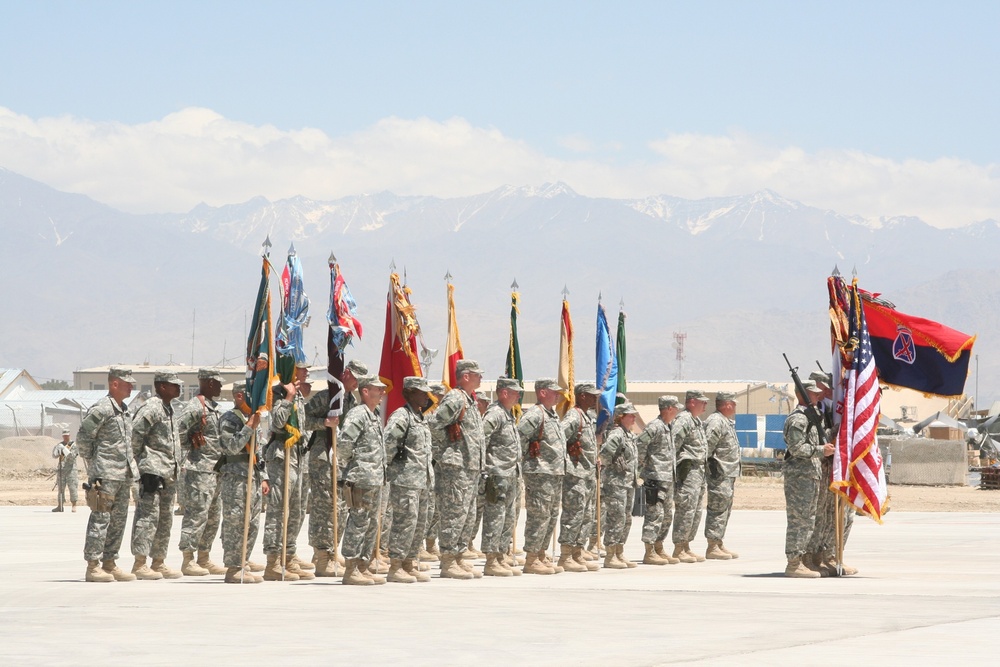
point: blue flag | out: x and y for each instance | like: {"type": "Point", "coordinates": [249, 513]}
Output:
{"type": "Point", "coordinates": [607, 369]}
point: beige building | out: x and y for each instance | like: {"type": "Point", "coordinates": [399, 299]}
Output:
{"type": "Point", "coordinates": [97, 378]}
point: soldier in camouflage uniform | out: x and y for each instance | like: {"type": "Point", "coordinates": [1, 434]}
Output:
{"type": "Point", "coordinates": [475, 518]}
{"type": "Point", "coordinates": [655, 447]}
{"type": "Point", "coordinates": [237, 429]}
{"type": "Point", "coordinates": [543, 448]}
{"type": "Point", "coordinates": [722, 470]}
{"type": "Point", "coordinates": [105, 443]}
{"type": "Point", "coordinates": [410, 477]}
{"type": "Point", "coordinates": [430, 552]}
{"type": "Point", "coordinates": [461, 462]}
{"type": "Point", "coordinates": [805, 446]}
{"type": "Point", "coordinates": [579, 487]}
{"type": "Point", "coordinates": [503, 456]}
{"type": "Point", "coordinates": [361, 445]}
{"type": "Point", "coordinates": [302, 485]}
{"type": "Point", "coordinates": [199, 432]}
{"type": "Point", "coordinates": [158, 455]}
{"type": "Point", "coordinates": [66, 474]}
{"type": "Point", "coordinates": [689, 483]}
{"type": "Point", "coordinates": [621, 475]}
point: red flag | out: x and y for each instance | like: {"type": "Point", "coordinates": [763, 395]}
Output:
{"type": "Point", "coordinates": [399, 345]}
{"type": "Point", "coordinates": [453, 348]}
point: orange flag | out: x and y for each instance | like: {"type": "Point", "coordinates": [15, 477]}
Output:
{"type": "Point", "coordinates": [399, 345]}
{"type": "Point", "coordinates": [565, 376]}
{"type": "Point", "coordinates": [453, 348]}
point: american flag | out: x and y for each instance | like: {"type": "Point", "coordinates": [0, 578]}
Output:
{"type": "Point", "coordinates": [858, 473]}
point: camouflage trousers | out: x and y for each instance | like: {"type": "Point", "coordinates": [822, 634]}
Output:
{"type": "Point", "coordinates": [298, 519]}
{"type": "Point", "coordinates": [824, 538]}
{"type": "Point", "coordinates": [431, 530]}
{"type": "Point", "coordinates": [718, 506]}
{"type": "Point", "coordinates": [456, 491]}
{"type": "Point", "coordinates": [801, 499]}
{"type": "Point", "coordinates": [106, 529]}
{"type": "Point", "coordinates": [233, 491]}
{"type": "Point", "coordinates": [408, 524]}
{"type": "Point", "coordinates": [152, 521]}
{"type": "Point", "coordinates": [202, 510]}
{"type": "Point", "coordinates": [321, 506]}
{"type": "Point", "coordinates": [659, 515]}
{"type": "Point", "coordinates": [275, 506]}
{"type": "Point", "coordinates": [385, 518]}
{"type": "Point", "coordinates": [542, 496]}
{"type": "Point", "coordinates": [617, 501]}
{"type": "Point", "coordinates": [475, 516]}
{"type": "Point", "coordinates": [689, 491]}
{"type": "Point", "coordinates": [69, 480]}
{"type": "Point", "coordinates": [577, 498]}
{"type": "Point", "coordinates": [499, 516]}
{"type": "Point", "coordinates": [362, 524]}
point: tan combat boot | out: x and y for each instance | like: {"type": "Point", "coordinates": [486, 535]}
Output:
{"type": "Point", "coordinates": [96, 573]}
{"type": "Point", "coordinates": [254, 567]}
{"type": "Point", "coordinates": [467, 566]}
{"type": "Point", "coordinates": [119, 574]}
{"type": "Point", "coordinates": [494, 566]}
{"type": "Point", "coordinates": [205, 561]}
{"type": "Point", "coordinates": [168, 573]}
{"type": "Point", "coordinates": [534, 563]}
{"type": "Point", "coordinates": [512, 563]}
{"type": "Point", "coordinates": [366, 569]}
{"type": "Point", "coordinates": [682, 555]}
{"type": "Point", "coordinates": [303, 565]}
{"type": "Point", "coordinates": [578, 556]}
{"type": "Point", "coordinates": [74, 507]}
{"type": "Point", "coordinates": [190, 567]}
{"type": "Point", "coordinates": [411, 565]}
{"type": "Point", "coordinates": [732, 554]}
{"type": "Point", "coordinates": [236, 575]}
{"type": "Point", "coordinates": [611, 559]}
{"type": "Point", "coordinates": [567, 562]}
{"type": "Point", "coordinates": [651, 557]}
{"type": "Point", "coordinates": [621, 557]}
{"type": "Point", "coordinates": [353, 576]}
{"type": "Point", "coordinates": [697, 558]}
{"type": "Point", "coordinates": [450, 569]}
{"type": "Point", "coordinates": [294, 566]}
{"type": "Point", "coordinates": [397, 574]}
{"type": "Point", "coordinates": [430, 551]}
{"type": "Point", "coordinates": [658, 547]}
{"type": "Point", "coordinates": [272, 571]}
{"type": "Point", "coordinates": [325, 565]}
{"type": "Point", "coordinates": [812, 561]}
{"type": "Point", "coordinates": [796, 569]}
{"type": "Point", "coordinates": [830, 563]}
{"type": "Point", "coordinates": [715, 552]}
{"type": "Point", "coordinates": [142, 571]}
{"type": "Point", "coordinates": [557, 569]}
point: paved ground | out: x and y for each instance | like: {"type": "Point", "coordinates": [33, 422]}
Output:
{"type": "Point", "coordinates": [927, 593]}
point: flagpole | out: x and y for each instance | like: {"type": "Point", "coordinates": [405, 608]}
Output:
{"type": "Point", "coordinates": [840, 535]}
{"type": "Point", "coordinates": [246, 504]}
{"type": "Point", "coordinates": [284, 511]}
{"type": "Point", "coordinates": [332, 434]}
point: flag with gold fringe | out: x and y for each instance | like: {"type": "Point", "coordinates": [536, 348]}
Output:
{"type": "Point", "coordinates": [565, 375]}
{"type": "Point", "coordinates": [512, 365]}
{"type": "Point", "coordinates": [399, 344]}
{"type": "Point", "coordinates": [453, 347]}
{"type": "Point", "coordinates": [260, 343]}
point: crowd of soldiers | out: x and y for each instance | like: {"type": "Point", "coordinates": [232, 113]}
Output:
{"type": "Point", "coordinates": [416, 489]}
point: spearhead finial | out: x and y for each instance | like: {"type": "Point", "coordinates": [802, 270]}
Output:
{"type": "Point", "coordinates": [836, 271]}
{"type": "Point", "coordinates": [448, 277]}
{"type": "Point", "coordinates": [854, 272]}
{"type": "Point", "coordinates": [333, 259]}
{"type": "Point", "coordinates": [565, 291]}
{"type": "Point", "coordinates": [621, 304]}
{"type": "Point", "coordinates": [291, 249]}
{"type": "Point", "coordinates": [514, 285]}
{"type": "Point", "coordinates": [600, 295]}
{"type": "Point", "coordinates": [265, 247]}
{"type": "Point", "coordinates": [392, 266]}
{"type": "Point", "coordinates": [404, 274]}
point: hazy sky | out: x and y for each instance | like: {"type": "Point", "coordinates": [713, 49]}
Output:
{"type": "Point", "coordinates": [876, 109]}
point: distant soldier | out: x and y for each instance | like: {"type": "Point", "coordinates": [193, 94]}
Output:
{"type": "Point", "coordinates": [805, 444]}
{"type": "Point", "coordinates": [657, 462]}
{"type": "Point", "coordinates": [503, 459]}
{"type": "Point", "coordinates": [543, 448]}
{"type": "Point", "coordinates": [158, 455]}
{"type": "Point", "coordinates": [430, 552]}
{"type": "Point", "coordinates": [579, 485]}
{"type": "Point", "coordinates": [460, 464]}
{"type": "Point", "coordinates": [361, 445]}
{"type": "Point", "coordinates": [200, 436]}
{"type": "Point", "coordinates": [66, 475]}
{"type": "Point", "coordinates": [689, 483]}
{"type": "Point", "coordinates": [723, 468]}
{"type": "Point", "coordinates": [105, 443]}
{"type": "Point", "coordinates": [238, 429]}
{"type": "Point", "coordinates": [410, 477]}
{"type": "Point", "coordinates": [621, 475]}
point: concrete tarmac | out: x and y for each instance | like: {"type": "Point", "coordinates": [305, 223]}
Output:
{"type": "Point", "coordinates": [927, 593]}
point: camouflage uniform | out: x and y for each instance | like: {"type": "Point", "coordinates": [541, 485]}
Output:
{"type": "Point", "coordinates": [235, 435]}
{"type": "Point", "coordinates": [105, 443]}
{"type": "Point", "coordinates": [579, 485]}
{"type": "Point", "coordinates": [722, 470]}
{"type": "Point", "coordinates": [460, 464]}
{"type": "Point", "coordinates": [158, 453]}
{"type": "Point", "coordinates": [438, 439]}
{"type": "Point", "coordinates": [200, 489]}
{"type": "Point", "coordinates": [408, 451]}
{"type": "Point", "coordinates": [618, 484]}
{"type": "Point", "coordinates": [321, 475]}
{"type": "Point", "coordinates": [655, 447]}
{"type": "Point", "coordinates": [542, 474]}
{"type": "Point", "coordinates": [824, 539]}
{"type": "Point", "coordinates": [67, 477]}
{"type": "Point", "coordinates": [360, 444]}
{"type": "Point", "coordinates": [689, 484]}
{"type": "Point", "coordinates": [802, 481]}
{"type": "Point", "coordinates": [275, 454]}
{"type": "Point", "coordinates": [503, 454]}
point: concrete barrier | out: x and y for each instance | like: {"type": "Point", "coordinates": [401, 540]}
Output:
{"type": "Point", "coordinates": [927, 462]}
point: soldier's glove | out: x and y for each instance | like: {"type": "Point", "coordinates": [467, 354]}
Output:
{"type": "Point", "coordinates": [454, 432]}
{"type": "Point", "coordinates": [574, 449]}
{"type": "Point", "coordinates": [534, 448]}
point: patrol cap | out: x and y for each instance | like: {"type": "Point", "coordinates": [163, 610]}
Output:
{"type": "Point", "coordinates": [668, 401]}
{"type": "Point", "coordinates": [723, 396]}
{"type": "Point", "coordinates": [810, 386]}
{"type": "Point", "coordinates": [121, 374]}
{"type": "Point", "coordinates": [357, 368]}
{"type": "Point", "coordinates": [586, 388]}
{"type": "Point", "coordinates": [370, 381]}
{"type": "Point", "coordinates": [509, 383]}
{"type": "Point", "coordinates": [301, 364]}
{"type": "Point", "coordinates": [695, 394]}
{"type": "Point", "coordinates": [168, 377]}
{"type": "Point", "coordinates": [467, 366]}
{"type": "Point", "coordinates": [625, 408]}
{"type": "Point", "coordinates": [66, 431]}
{"type": "Point", "coordinates": [819, 377]}
{"type": "Point", "coordinates": [210, 374]}
{"type": "Point", "coordinates": [483, 395]}
{"type": "Point", "coordinates": [547, 383]}
{"type": "Point", "coordinates": [438, 389]}
{"type": "Point", "coordinates": [239, 387]}
{"type": "Point", "coordinates": [415, 382]}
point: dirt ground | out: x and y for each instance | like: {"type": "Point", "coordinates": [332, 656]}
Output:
{"type": "Point", "coordinates": [27, 477]}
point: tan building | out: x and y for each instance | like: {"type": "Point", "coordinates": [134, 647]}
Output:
{"type": "Point", "coordinates": [97, 378]}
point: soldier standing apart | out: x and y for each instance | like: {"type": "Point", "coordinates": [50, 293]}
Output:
{"type": "Point", "coordinates": [618, 486]}
{"type": "Point", "coordinates": [431, 552]}
{"type": "Point", "coordinates": [459, 467]}
{"type": "Point", "coordinates": [503, 456]}
{"type": "Point", "coordinates": [805, 446]}
{"type": "Point", "coordinates": [105, 443]}
{"type": "Point", "coordinates": [361, 445]}
{"type": "Point", "coordinates": [579, 486]}
{"type": "Point", "coordinates": [158, 455]}
{"type": "Point", "coordinates": [655, 447]}
{"type": "Point", "coordinates": [689, 483]}
{"type": "Point", "coordinates": [409, 474]}
{"type": "Point", "coordinates": [543, 446]}
{"type": "Point", "coordinates": [723, 468]}
{"type": "Point", "coordinates": [200, 437]}
{"type": "Point", "coordinates": [236, 428]}
{"type": "Point", "coordinates": [66, 475]}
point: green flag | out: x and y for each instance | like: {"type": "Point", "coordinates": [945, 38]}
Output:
{"type": "Point", "coordinates": [512, 367]}
{"type": "Point", "coordinates": [620, 351]}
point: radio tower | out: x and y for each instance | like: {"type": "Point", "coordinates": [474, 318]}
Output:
{"type": "Point", "coordinates": [678, 345]}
